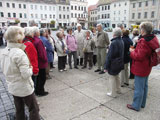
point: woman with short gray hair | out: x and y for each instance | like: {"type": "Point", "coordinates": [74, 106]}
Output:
{"type": "Point", "coordinates": [114, 62]}
{"type": "Point", "coordinates": [142, 64]}
{"type": "Point", "coordinates": [18, 71]}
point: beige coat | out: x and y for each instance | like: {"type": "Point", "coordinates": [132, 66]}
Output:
{"type": "Point", "coordinates": [102, 40]}
{"type": "Point", "coordinates": [16, 68]}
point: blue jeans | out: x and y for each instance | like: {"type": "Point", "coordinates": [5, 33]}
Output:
{"type": "Point", "coordinates": [140, 92]}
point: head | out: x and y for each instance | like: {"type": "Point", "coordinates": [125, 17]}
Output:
{"type": "Point", "coordinates": [49, 31]}
{"type": "Point", "coordinates": [146, 28]}
{"type": "Point", "coordinates": [42, 32]}
{"type": "Point", "coordinates": [62, 30]}
{"type": "Point", "coordinates": [117, 32]}
{"type": "Point", "coordinates": [93, 30]}
{"type": "Point", "coordinates": [88, 33]}
{"type": "Point", "coordinates": [28, 31]}
{"type": "Point", "coordinates": [125, 32]}
{"type": "Point", "coordinates": [14, 34]}
{"type": "Point", "coordinates": [69, 30]}
{"type": "Point", "coordinates": [59, 34]}
{"type": "Point", "coordinates": [36, 31]}
{"type": "Point", "coordinates": [99, 27]}
{"type": "Point", "coordinates": [135, 32]}
{"type": "Point", "coordinates": [79, 27]}
{"type": "Point", "coordinates": [120, 26]}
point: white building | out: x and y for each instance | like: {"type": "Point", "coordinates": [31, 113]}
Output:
{"type": "Point", "coordinates": [145, 10]}
{"type": "Point", "coordinates": [92, 15]}
{"type": "Point", "coordinates": [104, 13]}
{"type": "Point", "coordinates": [120, 13]}
{"type": "Point", "coordinates": [13, 11]}
{"type": "Point", "coordinates": [43, 14]}
{"type": "Point", "coordinates": [79, 12]}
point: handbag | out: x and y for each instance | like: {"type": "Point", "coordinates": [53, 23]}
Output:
{"type": "Point", "coordinates": [85, 48]}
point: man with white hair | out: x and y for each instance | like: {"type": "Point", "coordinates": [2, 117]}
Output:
{"type": "Point", "coordinates": [114, 62]}
{"type": "Point", "coordinates": [102, 45]}
{"type": "Point", "coordinates": [80, 37]}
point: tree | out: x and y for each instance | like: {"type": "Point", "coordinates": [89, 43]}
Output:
{"type": "Point", "coordinates": [17, 21]}
{"type": "Point", "coordinates": [52, 23]}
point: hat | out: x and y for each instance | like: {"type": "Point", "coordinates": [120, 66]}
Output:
{"type": "Point", "coordinates": [79, 25]}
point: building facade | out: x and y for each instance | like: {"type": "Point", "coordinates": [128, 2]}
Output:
{"type": "Point", "coordinates": [120, 13]}
{"type": "Point", "coordinates": [92, 15]}
{"type": "Point", "coordinates": [79, 12]}
{"type": "Point", "coordinates": [145, 10]}
{"type": "Point", "coordinates": [104, 13]}
{"type": "Point", "coordinates": [12, 12]}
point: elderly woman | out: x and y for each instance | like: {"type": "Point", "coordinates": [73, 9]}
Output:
{"type": "Point", "coordinates": [88, 49]}
{"type": "Point", "coordinates": [127, 43]}
{"type": "Point", "coordinates": [141, 67]}
{"type": "Point", "coordinates": [18, 71]}
{"type": "Point", "coordinates": [61, 51]}
{"type": "Point", "coordinates": [114, 62]}
{"type": "Point", "coordinates": [31, 51]}
{"type": "Point", "coordinates": [49, 50]}
{"type": "Point", "coordinates": [72, 47]}
{"type": "Point", "coordinates": [42, 63]}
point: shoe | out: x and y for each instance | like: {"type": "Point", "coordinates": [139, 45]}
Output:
{"type": "Point", "coordinates": [110, 94]}
{"type": "Point", "coordinates": [43, 94]}
{"type": "Point", "coordinates": [123, 85]}
{"type": "Point", "coordinates": [65, 69]}
{"type": "Point", "coordinates": [60, 70]}
{"type": "Point", "coordinates": [90, 68]}
{"type": "Point", "coordinates": [48, 77]}
{"type": "Point", "coordinates": [70, 67]}
{"type": "Point", "coordinates": [98, 70]}
{"type": "Point", "coordinates": [50, 70]}
{"type": "Point", "coordinates": [76, 67]}
{"type": "Point", "coordinates": [101, 72]}
{"type": "Point", "coordinates": [129, 106]}
{"type": "Point", "coordinates": [126, 84]}
{"type": "Point", "coordinates": [83, 67]}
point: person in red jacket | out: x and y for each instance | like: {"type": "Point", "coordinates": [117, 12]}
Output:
{"type": "Point", "coordinates": [31, 51]}
{"type": "Point", "coordinates": [141, 67]}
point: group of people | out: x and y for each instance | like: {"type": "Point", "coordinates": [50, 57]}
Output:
{"type": "Point", "coordinates": [29, 55]}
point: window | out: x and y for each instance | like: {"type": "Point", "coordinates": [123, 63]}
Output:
{"type": "Point", "coordinates": [35, 7]}
{"type": "Point", "coordinates": [60, 16]}
{"type": "Point", "coordinates": [63, 8]}
{"type": "Point", "coordinates": [13, 5]}
{"type": "Point", "coordinates": [124, 18]}
{"type": "Point", "coordinates": [114, 12]}
{"type": "Point", "coordinates": [153, 2]}
{"type": "Point", "coordinates": [45, 16]}
{"type": "Point", "coordinates": [50, 8]}
{"type": "Point", "coordinates": [50, 16]}
{"type": "Point", "coordinates": [146, 3]}
{"type": "Point", "coordinates": [19, 5]}
{"type": "Point", "coordinates": [0, 4]}
{"type": "Point", "coordinates": [31, 15]}
{"type": "Point", "coordinates": [114, 5]}
{"type": "Point", "coordinates": [119, 4]}
{"type": "Point", "coordinates": [79, 15]}
{"type": "Point", "coordinates": [125, 11]}
{"type": "Point", "coordinates": [119, 12]}
{"type": "Point", "coordinates": [152, 14]}
{"type": "Point", "coordinates": [24, 6]}
{"type": "Point", "coordinates": [9, 14]}
{"type": "Point", "coordinates": [32, 7]}
{"type": "Point", "coordinates": [8, 5]}
{"type": "Point", "coordinates": [82, 8]}
{"type": "Point", "coordinates": [134, 5]}
{"type": "Point", "coordinates": [79, 8]}
{"type": "Point", "coordinates": [108, 15]}
{"type": "Point", "coordinates": [20, 15]}
{"type": "Point", "coordinates": [139, 15]}
{"type": "Point", "coordinates": [25, 15]}
{"type": "Point", "coordinates": [59, 8]}
{"type": "Point", "coordinates": [71, 7]}
{"type": "Point", "coordinates": [53, 8]}
{"type": "Point", "coordinates": [105, 16]}
{"type": "Point", "coordinates": [64, 17]}
{"type": "Point", "coordinates": [1, 14]}
{"type": "Point", "coordinates": [145, 14]}
{"type": "Point", "coordinates": [36, 16]}
{"type": "Point", "coordinates": [67, 16]}
{"type": "Point", "coordinates": [125, 4]}
{"type": "Point", "coordinates": [133, 15]}
{"type": "Point", "coordinates": [41, 7]}
{"type": "Point", "coordinates": [75, 7]}
{"type": "Point", "coordinates": [67, 8]}
{"type": "Point", "coordinates": [54, 16]}
{"type": "Point", "coordinates": [108, 7]}
{"type": "Point", "coordinates": [85, 9]}
{"type": "Point", "coordinates": [105, 7]}
{"type": "Point", "coordinates": [41, 16]}
{"type": "Point", "coordinates": [45, 7]}
{"type": "Point", "coordinates": [102, 16]}
{"type": "Point", "coordinates": [102, 8]}
{"type": "Point", "coordinates": [75, 15]}
{"type": "Point", "coordinates": [72, 15]}
{"type": "Point", "coordinates": [14, 15]}
{"type": "Point", "coordinates": [140, 4]}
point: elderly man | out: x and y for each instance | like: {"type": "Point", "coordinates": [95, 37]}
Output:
{"type": "Point", "coordinates": [114, 62]}
{"type": "Point", "coordinates": [102, 44]}
{"type": "Point", "coordinates": [80, 37]}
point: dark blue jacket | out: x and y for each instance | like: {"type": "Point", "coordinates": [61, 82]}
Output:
{"type": "Point", "coordinates": [127, 43]}
{"type": "Point", "coordinates": [49, 48]}
{"type": "Point", "coordinates": [116, 50]}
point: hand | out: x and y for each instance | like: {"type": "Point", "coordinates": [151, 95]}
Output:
{"type": "Point", "coordinates": [131, 49]}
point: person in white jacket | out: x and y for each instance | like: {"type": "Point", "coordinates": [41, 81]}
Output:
{"type": "Point", "coordinates": [17, 69]}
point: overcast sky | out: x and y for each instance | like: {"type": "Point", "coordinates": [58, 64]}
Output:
{"type": "Point", "coordinates": [92, 2]}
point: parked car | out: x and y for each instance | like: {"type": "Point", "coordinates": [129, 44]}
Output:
{"type": "Point", "coordinates": [107, 29]}
{"type": "Point", "coordinates": [156, 31]}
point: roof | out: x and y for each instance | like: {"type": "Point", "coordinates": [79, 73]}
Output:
{"type": "Point", "coordinates": [104, 2]}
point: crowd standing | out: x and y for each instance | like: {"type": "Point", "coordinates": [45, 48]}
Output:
{"type": "Point", "coordinates": [28, 58]}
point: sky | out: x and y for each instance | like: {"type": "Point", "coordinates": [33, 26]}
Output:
{"type": "Point", "coordinates": [92, 2]}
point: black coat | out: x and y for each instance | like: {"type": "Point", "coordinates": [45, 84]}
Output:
{"type": "Point", "coordinates": [116, 50]}
{"type": "Point", "coordinates": [127, 43]}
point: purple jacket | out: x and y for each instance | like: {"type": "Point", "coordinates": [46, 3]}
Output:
{"type": "Point", "coordinates": [71, 42]}
{"type": "Point", "coordinates": [41, 52]}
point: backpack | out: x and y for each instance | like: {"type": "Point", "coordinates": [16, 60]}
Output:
{"type": "Point", "coordinates": [155, 57]}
